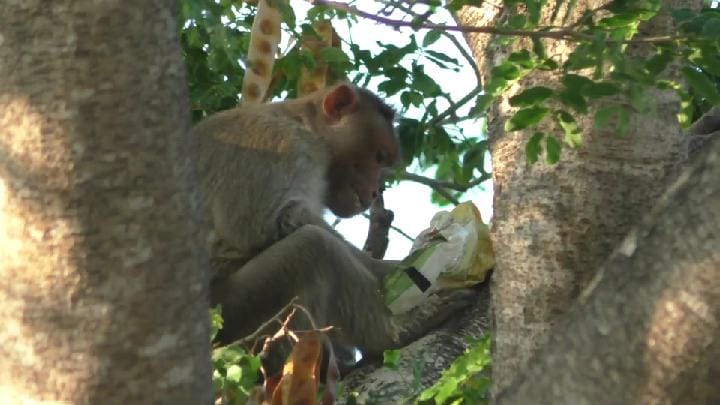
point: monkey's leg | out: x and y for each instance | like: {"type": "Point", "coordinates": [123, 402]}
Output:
{"type": "Point", "coordinates": [295, 214]}
{"type": "Point", "coordinates": [329, 280]}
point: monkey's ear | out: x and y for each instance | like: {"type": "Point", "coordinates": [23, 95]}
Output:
{"type": "Point", "coordinates": [339, 101]}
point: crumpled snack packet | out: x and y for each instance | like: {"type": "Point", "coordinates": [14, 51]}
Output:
{"type": "Point", "coordinates": [455, 251]}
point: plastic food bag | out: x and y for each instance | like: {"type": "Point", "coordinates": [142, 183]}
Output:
{"type": "Point", "coordinates": [455, 251]}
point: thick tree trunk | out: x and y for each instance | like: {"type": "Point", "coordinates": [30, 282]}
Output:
{"type": "Point", "coordinates": [647, 330]}
{"type": "Point", "coordinates": [554, 225]}
{"type": "Point", "coordinates": [103, 295]}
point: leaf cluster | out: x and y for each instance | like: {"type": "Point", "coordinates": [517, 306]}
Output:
{"type": "Point", "coordinates": [235, 371]}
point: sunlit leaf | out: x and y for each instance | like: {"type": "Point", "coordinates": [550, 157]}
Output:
{"type": "Point", "coordinates": [573, 134]}
{"type": "Point", "coordinates": [391, 358]}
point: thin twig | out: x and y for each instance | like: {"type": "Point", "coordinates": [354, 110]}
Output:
{"type": "Point", "coordinates": [394, 228]}
{"type": "Point", "coordinates": [560, 34]}
{"type": "Point", "coordinates": [470, 60]}
{"type": "Point", "coordinates": [258, 332]}
{"type": "Point", "coordinates": [454, 106]}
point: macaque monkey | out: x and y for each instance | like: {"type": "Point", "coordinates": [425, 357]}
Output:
{"type": "Point", "coordinates": [267, 173]}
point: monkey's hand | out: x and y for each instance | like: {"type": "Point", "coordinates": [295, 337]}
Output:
{"type": "Point", "coordinates": [294, 214]}
{"type": "Point", "coordinates": [432, 312]}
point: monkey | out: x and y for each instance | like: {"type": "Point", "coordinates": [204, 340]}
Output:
{"type": "Point", "coordinates": [267, 172]}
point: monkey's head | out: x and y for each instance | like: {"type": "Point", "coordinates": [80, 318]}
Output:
{"type": "Point", "coordinates": [358, 126]}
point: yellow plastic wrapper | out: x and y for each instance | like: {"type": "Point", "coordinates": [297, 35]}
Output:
{"type": "Point", "coordinates": [455, 251]}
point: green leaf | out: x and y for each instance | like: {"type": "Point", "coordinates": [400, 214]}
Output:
{"type": "Point", "coordinates": [216, 321]}
{"type": "Point", "coordinates": [711, 29]}
{"type": "Point", "coordinates": [431, 37]}
{"type": "Point", "coordinates": [411, 98]}
{"type": "Point", "coordinates": [601, 89]}
{"type": "Point", "coordinates": [618, 20]}
{"type": "Point", "coordinates": [575, 83]}
{"type": "Point", "coordinates": [638, 97]}
{"type": "Point", "coordinates": [533, 148]}
{"type": "Point", "coordinates": [701, 84]}
{"type": "Point", "coordinates": [538, 47]}
{"type": "Point", "coordinates": [534, 7]}
{"type": "Point", "coordinates": [553, 148]}
{"type": "Point", "coordinates": [573, 135]}
{"type": "Point", "coordinates": [548, 64]}
{"type": "Point", "coordinates": [424, 83]}
{"type": "Point", "coordinates": [391, 358]}
{"type": "Point", "coordinates": [333, 55]}
{"type": "Point", "coordinates": [522, 58]}
{"type": "Point", "coordinates": [517, 21]}
{"type": "Point", "coordinates": [582, 57]}
{"type": "Point", "coordinates": [496, 86]}
{"type": "Point", "coordinates": [709, 60]}
{"type": "Point", "coordinates": [234, 373]}
{"type": "Point", "coordinates": [474, 158]}
{"type": "Point", "coordinates": [531, 96]}
{"type": "Point", "coordinates": [682, 15]}
{"type": "Point", "coordinates": [442, 57]}
{"type": "Point", "coordinates": [603, 115]}
{"type": "Point", "coordinates": [392, 87]}
{"type": "Point", "coordinates": [659, 61]}
{"type": "Point", "coordinates": [481, 105]}
{"type": "Point", "coordinates": [623, 121]}
{"type": "Point", "coordinates": [573, 99]}
{"type": "Point", "coordinates": [506, 70]}
{"type": "Point", "coordinates": [526, 117]}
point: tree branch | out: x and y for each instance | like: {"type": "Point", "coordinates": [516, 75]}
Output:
{"type": "Point", "coordinates": [559, 34]}
{"type": "Point", "coordinates": [435, 184]}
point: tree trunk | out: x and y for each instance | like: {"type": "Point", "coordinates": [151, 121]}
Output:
{"type": "Point", "coordinates": [104, 293]}
{"type": "Point", "coordinates": [555, 225]}
{"type": "Point", "coordinates": [647, 331]}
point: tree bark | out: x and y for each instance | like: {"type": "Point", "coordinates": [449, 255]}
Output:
{"type": "Point", "coordinates": [422, 362]}
{"type": "Point", "coordinates": [103, 278]}
{"type": "Point", "coordinates": [647, 330]}
{"type": "Point", "coordinates": [555, 225]}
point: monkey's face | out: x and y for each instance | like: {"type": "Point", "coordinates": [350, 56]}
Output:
{"type": "Point", "coordinates": [356, 167]}
{"type": "Point", "coordinates": [362, 143]}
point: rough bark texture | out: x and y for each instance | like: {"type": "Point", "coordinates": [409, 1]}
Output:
{"type": "Point", "coordinates": [427, 357]}
{"type": "Point", "coordinates": [554, 225]}
{"type": "Point", "coordinates": [647, 330]}
{"type": "Point", "coordinates": [103, 293]}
